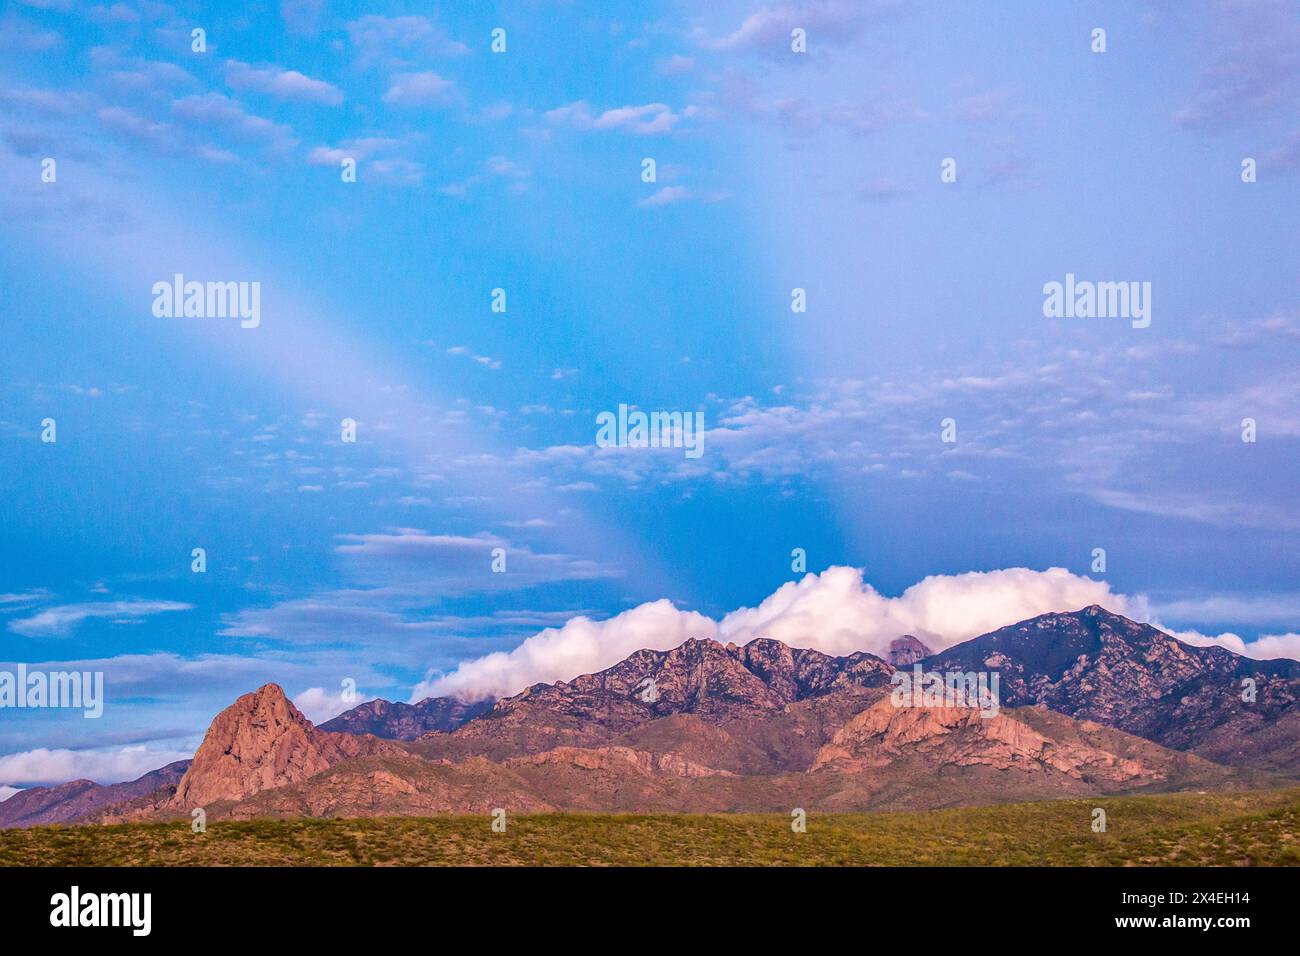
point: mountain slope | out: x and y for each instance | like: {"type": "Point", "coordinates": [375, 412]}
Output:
{"type": "Point", "coordinates": [82, 798]}
{"type": "Point", "coordinates": [719, 684]}
{"type": "Point", "coordinates": [1095, 665]}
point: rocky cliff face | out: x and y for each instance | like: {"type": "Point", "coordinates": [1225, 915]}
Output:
{"type": "Point", "coordinates": [960, 736]}
{"type": "Point", "coordinates": [398, 721]}
{"type": "Point", "coordinates": [260, 742]}
{"type": "Point", "coordinates": [1099, 666]}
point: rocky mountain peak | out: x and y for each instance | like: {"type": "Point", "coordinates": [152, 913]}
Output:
{"type": "Point", "coordinates": [906, 650]}
{"type": "Point", "coordinates": [1093, 664]}
{"type": "Point", "coordinates": [262, 741]}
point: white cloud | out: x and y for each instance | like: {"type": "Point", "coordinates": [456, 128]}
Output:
{"type": "Point", "coordinates": [113, 13]}
{"type": "Point", "coordinates": [665, 196]}
{"type": "Point", "coordinates": [1271, 646]}
{"type": "Point", "coordinates": [397, 171]}
{"type": "Point", "coordinates": [496, 167]}
{"type": "Point", "coordinates": [44, 766]}
{"type": "Point", "coordinates": [17, 34]}
{"type": "Point", "coordinates": [62, 619]}
{"type": "Point", "coordinates": [419, 89]}
{"type": "Point", "coordinates": [646, 119]}
{"type": "Point", "coordinates": [486, 360]}
{"type": "Point", "coordinates": [6, 792]}
{"type": "Point", "coordinates": [838, 613]}
{"type": "Point", "coordinates": [121, 120]}
{"type": "Point", "coordinates": [320, 705]}
{"type": "Point", "coordinates": [835, 612]}
{"type": "Point", "coordinates": [1265, 648]}
{"type": "Point", "coordinates": [828, 21]}
{"type": "Point", "coordinates": [393, 40]}
{"type": "Point", "coordinates": [136, 73]}
{"type": "Point", "coordinates": [360, 148]}
{"type": "Point", "coordinates": [580, 646]}
{"type": "Point", "coordinates": [676, 64]}
{"type": "Point", "coordinates": [301, 16]}
{"type": "Point", "coordinates": [214, 110]}
{"type": "Point", "coordinates": [23, 598]}
{"type": "Point", "coordinates": [281, 83]}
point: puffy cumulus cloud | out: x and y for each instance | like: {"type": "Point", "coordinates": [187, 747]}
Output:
{"type": "Point", "coordinates": [1231, 641]}
{"type": "Point", "coordinates": [581, 646]}
{"type": "Point", "coordinates": [320, 705]}
{"type": "Point", "coordinates": [44, 766]}
{"type": "Point", "coordinates": [1265, 648]}
{"type": "Point", "coordinates": [835, 612]}
{"type": "Point", "coordinates": [1270, 646]}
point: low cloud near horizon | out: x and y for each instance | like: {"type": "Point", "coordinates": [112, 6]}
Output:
{"type": "Point", "coordinates": [47, 767]}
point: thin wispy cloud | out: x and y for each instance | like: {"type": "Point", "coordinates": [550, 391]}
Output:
{"type": "Point", "coordinates": [61, 620]}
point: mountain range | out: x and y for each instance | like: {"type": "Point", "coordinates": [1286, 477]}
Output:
{"type": "Point", "coordinates": [1090, 703]}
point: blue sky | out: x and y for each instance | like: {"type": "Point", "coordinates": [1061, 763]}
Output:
{"type": "Point", "coordinates": [522, 171]}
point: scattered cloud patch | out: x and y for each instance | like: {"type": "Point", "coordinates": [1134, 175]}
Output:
{"type": "Point", "coordinates": [648, 119]}
{"type": "Point", "coordinates": [419, 89]}
{"type": "Point", "coordinates": [400, 41]}
{"type": "Point", "coordinates": [483, 360]}
{"type": "Point", "coordinates": [281, 83]}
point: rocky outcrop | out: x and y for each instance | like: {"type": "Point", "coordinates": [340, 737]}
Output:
{"type": "Point", "coordinates": [962, 737]}
{"type": "Point", "coordinates": [906, 650]}
{"type": "Point", "coordinates": [260, 742]}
